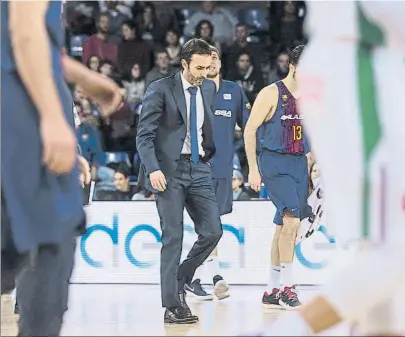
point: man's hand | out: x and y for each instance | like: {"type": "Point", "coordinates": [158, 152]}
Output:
{"type": "Point", "coordinates": [59, 145]}
{"type": "Point", "coordinates": [255, 180]}
{"type": "Point", "coordinates": [84, 168]}
{"type": "Point", "coordinates": [108, 98]}
{"type": "Point", "coordinates": [101, 90]}
{"type": "Point", "coordinates": [158, 180]}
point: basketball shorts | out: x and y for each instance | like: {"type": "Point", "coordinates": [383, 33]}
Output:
{"type": "Point", "coordinates": [286, 179]}
{"type": "Point", "coordinates": [224, 194]}
{"type": "Point", "coordinates": [353, 105]}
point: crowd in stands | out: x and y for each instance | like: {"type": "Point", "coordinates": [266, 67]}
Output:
{"type": "Point", "coordinates": [135, 43]}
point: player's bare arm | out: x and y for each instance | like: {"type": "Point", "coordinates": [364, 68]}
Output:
{"type": "Point", "coordinates": [262, 110]}
{"type": "Point", "coordinates": [103, 91]}
{"type": "Point", "coordinates": [32, 54]}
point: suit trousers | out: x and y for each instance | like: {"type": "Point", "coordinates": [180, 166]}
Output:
{"type": "Point", "coordinates": [42, 279]}
{"type": "Point", "coordinates": [189, 187]}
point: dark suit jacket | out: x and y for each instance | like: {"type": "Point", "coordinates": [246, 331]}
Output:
{"type": "Point", "coordinates": [162, 125]}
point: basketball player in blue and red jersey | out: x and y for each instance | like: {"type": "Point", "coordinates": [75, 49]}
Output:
{"type": "Point", "coordinates": [231, 108]}
{"type": "Point", "coordinates": [282, 166]}
{"type": "Point", "coordinates": [41, 200]}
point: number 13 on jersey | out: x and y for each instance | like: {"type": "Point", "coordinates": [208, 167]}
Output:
{"type": "Point", "coordinates": [297, 132]}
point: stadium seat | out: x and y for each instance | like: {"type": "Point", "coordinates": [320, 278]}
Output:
{"type": "Point", "coordinates": [76, 45]}
{"type": "Point", "coordinates": [105, 174]}
{"type": "Point", "coordinates": [116, 157]}
{"type": "Point", "coordinates": [100, 188]}
{"type": "Point", "coordinates": [254, 18]}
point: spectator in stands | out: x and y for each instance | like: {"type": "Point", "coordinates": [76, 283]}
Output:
{"type": "Point", "coordinates": [99, 44]}
{"type": "Point", "coordinates": [221, 19]}
{"type": "Point", "coordinates": [149, 26]}
{"type": "Point", "coordinates": [249, 78]}
{"type": "Point", "coordinates": [286, 23]}
{"type": "Point", "coordinates": [86, 107]}
{"type": "Point", "coordinates": [173, 48]}
{"type": "Point", "coordinates": [241, 45]}
{"type": "Point", "coordinates": [141, 194]}
{"type": "Point", "coordinates": [106, 68]}
{"type": "Point", "coordinates": [134, 86]}
{"type": "Point", "coordinates": [120, 190]}
{"type": "Point", "coordinates": [80, 16]}
{"type": "Point", "coordinates": [280, 71]}
{"type": "Point", "coordinates": [133, 50]}
{"type": "Point", "coordinates": [119, 134]}
{"type": "Point", "coordinates": [161, 69]}
{"type": "Point", "coordinates": [205, 30]}
{"type": "Point", "coordinates": [78, 95]}
{"type": "Point", "coordinates": [124, 7]}
{"type": "Point", "coordinates": [291, 26]}
{"type": "Point", "coordinates": [117, 17]}
{"type": "Point", "coordinates": [124, 191]}
{"type": "Point", "coordinates": [88, 137]}
{"type": "Point", "coordinates": [93, 63]}
{"type": "Point", "coordinates": [238, 187]}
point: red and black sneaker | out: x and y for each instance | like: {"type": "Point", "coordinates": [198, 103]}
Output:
{"type": "Point", "coordinates": [289, 299]}
{"type": "Point", "coordinates": [272, 300]}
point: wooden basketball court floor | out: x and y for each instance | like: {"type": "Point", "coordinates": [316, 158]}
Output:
{"type": "Point", "coordinates": [134, 310]}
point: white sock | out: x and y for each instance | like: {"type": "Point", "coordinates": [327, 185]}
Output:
{"type": "Point", "coordinates": [213, 266]}
{"type": "Point", "coordinates": [287, 274]}
{"type": "Point", "coordinates": [274, 278]}
{"type": "Point", "coordinates": [289, 325]}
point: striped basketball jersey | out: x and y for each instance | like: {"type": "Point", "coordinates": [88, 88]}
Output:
{"type": "Point", "coordinates": [283, 132]}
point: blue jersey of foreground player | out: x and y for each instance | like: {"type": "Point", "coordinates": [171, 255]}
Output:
{"type": "Point", "coordinates": [44, 208]}
{"type": "Point", "coordinates": [231, 108]}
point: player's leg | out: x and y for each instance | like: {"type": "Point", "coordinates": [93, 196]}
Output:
{"type": "Point", "coordinates": [43, 285]}
{"type": "Point", "coordinates": [347, 298]}
{"type": "Point", "coordinates": [223, 192]}
{"type": "Point", "coordinates": [283, 193]}
{"type": "Point", "coordinates": [286, 244]}
{"type": "Point", "coordinates": [271, 297]}
{"type": "Point", "coordinates": [224, 196]}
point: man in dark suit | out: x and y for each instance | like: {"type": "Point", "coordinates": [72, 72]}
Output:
{"type": "Point", "coordinates": [175, 143]}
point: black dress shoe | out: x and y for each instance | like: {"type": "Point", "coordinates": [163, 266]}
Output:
{"type": "Point", "coordinates": [179, 315]}
{"type": "Point", "coordinates": [182, 296]}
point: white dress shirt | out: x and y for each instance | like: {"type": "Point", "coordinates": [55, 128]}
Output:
{"type": "Point", "coordinates": [200, 118]}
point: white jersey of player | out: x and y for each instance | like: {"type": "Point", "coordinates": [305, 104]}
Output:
{"type": "Point", "coordinates": [340, 20]}
{"type": "Point", "coordinates": [353, 100]}
{"type": "Point", "coordinates": [330, 15]}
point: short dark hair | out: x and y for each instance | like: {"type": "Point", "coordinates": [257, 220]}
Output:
{"type": "Point", "coordinates": [199, 27]}
{"type": "Point", "coordinates": [192, 47]}
{"type": "Point", "coordinates": [215, 50]}
{"type": "Point", "coordinates": [100, 15]}
{"type": "Point", "coordinates": [123, 169]}
{"type": "Point", "coordinates": [240, 24]}
{"type": "Point", "coordinates": [102, 62]}
{"type": "Point", "coordinates": [296, 54]}
{"type": "Point", "coordinates": [159, 50]}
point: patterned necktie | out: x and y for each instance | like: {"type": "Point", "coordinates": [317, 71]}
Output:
{"type": "Point", "coordinates": [195, 156]}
